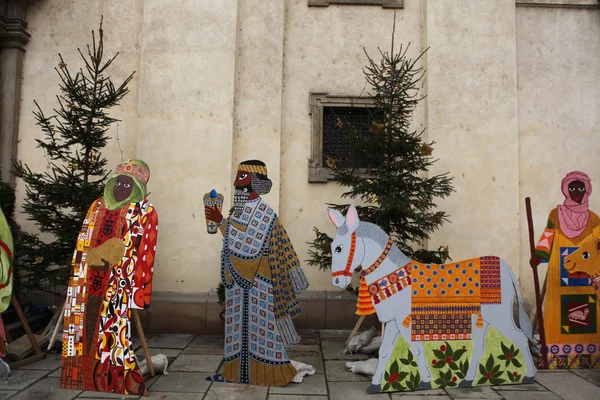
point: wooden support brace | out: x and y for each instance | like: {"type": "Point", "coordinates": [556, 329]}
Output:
{"type": "Point", "coordinates": [140, 331]}
{"type": "Point", "coordinates": [356, 327]}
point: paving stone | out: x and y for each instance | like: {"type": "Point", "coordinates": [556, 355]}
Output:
{"type": "Point", "coordinates": [50, 363]}
{"type": "Point", "coordinates": [170, 341]}
{"type": "Point", "coordinates": [304, 348]}
{"type": "Point", "coordinates": [567, 385]}
{"type": "Point", "coordinates": [47, 389]}
{"type": "Point", "coordinates": [56, 373]}
{"type": "Point", "coordinates": [524, 387]}
{"type": "Point", "coordinates": [19, 379]}
{"type": "Point", "coordinates": [477, 392]}
{"type": "Point", "coordinates": [172, 396]}
{"type": "Point", "coordinates": [234, 391]}
{"type": "Point", "coordinates": [422, 394]}
{"type": "Point", "coordinates": [6, 394]}
{"type": "Point", "coordinates": [309, 340]}
{"type": "Point", "coordinates": [335, 371]}
{"type": "Point", "coordinates": [183, 382]}
{"type": "Point", "coordinates": [533, 395]}
{"type": "Point", "coordinates": [294, 397]}
{"type": "Point", "coordinates": [203, 350]}
{"type": "Point", "coordinates": [353, 391]}
{"type": "Point", "coordinates": [102, 395]}
{"type": "Point", "coordinates": [196, 363]}
{"type": "Point", "coordinates": [155, 351]}
{"type": "Point", "coordinates": [313, 384]}
{"type": "Point", "coordinates": [332, 350]}
{"type": "Point", "coordinates": [315, 360]}
{"type": "Point", "coordinates": [335, 334]}
{"type": "Point", "coordinates": [137, 342]}
{"type": "Point", "coordinates": [212, 342]}
{"type": "Point", "coordinates": [591, 375]}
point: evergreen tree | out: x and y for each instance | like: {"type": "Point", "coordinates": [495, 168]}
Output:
{"type": "Point", "coordinates": [57, 199]}
{"type": "Point", "coordinates": [398, 195]}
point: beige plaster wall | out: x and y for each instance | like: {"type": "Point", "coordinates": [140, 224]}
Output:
{"type": "Point", "coordinates": [558, 53]}
{"type": "Point", "coordinates": [324, 52]}
{"type": "Point", "coordinates": [508, 89]}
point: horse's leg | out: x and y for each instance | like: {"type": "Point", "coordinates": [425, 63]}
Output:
{"type": "Point", "coordinates": [385, 351]}
{"type": "Point", "coordinates": [478, 338]}
{"type": "Point", "coordinates": [419, 354]}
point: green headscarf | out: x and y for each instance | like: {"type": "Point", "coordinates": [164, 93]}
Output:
{"type": "Point", "coordinates": [139, 172]}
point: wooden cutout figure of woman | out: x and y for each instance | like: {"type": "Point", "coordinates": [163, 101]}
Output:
{"type": "Point", "coordinates": [571, 312]}
{"type": "Point", "coordinates": [111, 274]}
{"type": "Point", "coordinates": [262, 276]}
{"type": "Point", "coordinates": [6, 280]}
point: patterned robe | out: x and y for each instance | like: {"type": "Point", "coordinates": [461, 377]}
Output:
{"type": "Point", "coordinates": [262, 275]}
{"type": "Point", "coordinates": [571, 312]}
{"type": "Point", "coordinates": [6, 258]}
{"type": "Point", "coordinates": [111, 274]}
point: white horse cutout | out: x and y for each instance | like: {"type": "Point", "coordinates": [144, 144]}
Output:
{"type": "Point", "coordinates": [413, 298]}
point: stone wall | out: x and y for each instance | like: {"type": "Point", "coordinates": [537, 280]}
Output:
{"type": "Point", "coordinates": [510, 86]}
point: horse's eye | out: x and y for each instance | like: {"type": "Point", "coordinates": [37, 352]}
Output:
{"type": "Point", "coordinates": [338, 249]}
{"type": "Point", "coordinates": [585, 255]}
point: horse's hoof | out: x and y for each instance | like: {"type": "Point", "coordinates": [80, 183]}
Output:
{"type": "Point", "coordinates": [424, 386]}
{"type": "Point", "coordinates": [465, 384]}
{"type": "Point", "coordinates": [528, 379]}
{"type": "Point", "coordinates": [374, 388]}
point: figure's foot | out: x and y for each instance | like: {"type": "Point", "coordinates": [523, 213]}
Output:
{"type": "Point", "coordinates": [465, 384]}
{"type": "Point", "coordinates": [216, 378]}
{"type": "Point", "coordinates": [374, 388]}
{"type": "Point", "coordinates": [4, 369]}
{"type": "Point", "coordinates": [366, 367]}
{"type": "Point", "coordinates": [424, 386]}
{"type": "Point", "coordinates": [528, 379]}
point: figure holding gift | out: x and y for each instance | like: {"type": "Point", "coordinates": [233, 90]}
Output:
{"type": "Point", "coordinates": [262, 276]}
{"type": "Point", "coordinates": [111, 273]}
{"type": "Point", "coordinates": [212, 200]}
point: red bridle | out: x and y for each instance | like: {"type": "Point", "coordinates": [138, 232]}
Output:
{"type": "Point", "coordinates": [347, 271]}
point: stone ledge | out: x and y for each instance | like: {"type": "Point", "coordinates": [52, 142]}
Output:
{"type": "Point", "coordinates": [558, 3]}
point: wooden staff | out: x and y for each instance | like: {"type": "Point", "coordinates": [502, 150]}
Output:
{"type": "Point", "coordinates": [140, 331]}
{"type": "Point", "coordinates": [536, 281]}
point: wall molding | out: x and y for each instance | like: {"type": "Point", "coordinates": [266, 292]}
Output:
{"type": "Point", "coordinates": [559, 3]}
{"type": "Point", "coordinates": [382, 3]}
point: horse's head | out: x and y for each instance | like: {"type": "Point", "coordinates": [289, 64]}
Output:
{"type": "Point", "coordinates": [585, 259]}
{"type": "Point", "coordinates": [347, 251]}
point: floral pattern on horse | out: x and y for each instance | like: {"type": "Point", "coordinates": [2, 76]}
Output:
{"type": "Point", "coordinates": [446, 325]}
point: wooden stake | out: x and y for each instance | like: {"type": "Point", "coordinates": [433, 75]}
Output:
{"type": "Point", "coordinates": [17, 308]}
{"type": "Point", "coordinates": [536, 282]}
{"type": "Point", "coordinates": [53, 337]}
{"type": "Point", "coordinates": [140, 331]}
{"type": "Point", "coordinates": [543, 296]}
{"type": "Point", "coordinates": [356, 327]}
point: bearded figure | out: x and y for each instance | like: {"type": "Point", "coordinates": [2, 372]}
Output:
{"type": "Point", "coordinates": [262, 276]}
{"type": "Point", "coordinates": [111, 273]}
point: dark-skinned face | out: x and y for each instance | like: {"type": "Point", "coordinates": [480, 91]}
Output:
{"type": "Point", "coordinates": [577, 191]}
{"type": "Point", "coordinates": [123, 187]}
{"type": "Point", "coordinates": [243, 180]}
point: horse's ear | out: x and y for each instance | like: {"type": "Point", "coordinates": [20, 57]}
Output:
{"type": "Point", "coordinates": [336, 217]}
{"type": "Point", "coordinates": [352, 219]}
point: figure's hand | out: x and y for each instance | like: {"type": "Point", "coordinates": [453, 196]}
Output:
{"type": "Point", "coordinates": [535, 261]}
{"type": "Point", "coordinates": [213, 214]}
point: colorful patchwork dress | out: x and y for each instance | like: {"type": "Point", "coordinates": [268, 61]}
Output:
{"type": "Point", "coordinates": [111, 274]}
{"type": "Point", "coordinates": [262, 276]}
{"type": "Point", "coordinates": [571, 311]}
{"type": "Point", "coordinates": [6, 257]}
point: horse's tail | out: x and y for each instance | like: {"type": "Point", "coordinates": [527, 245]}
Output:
{"type": "Point", "coordinates": [524, 321]}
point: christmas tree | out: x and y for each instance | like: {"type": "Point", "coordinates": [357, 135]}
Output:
{"type": "Point", "coordinates": [392, 181]}
{"type": "Point", "coordinates": [57, 199]}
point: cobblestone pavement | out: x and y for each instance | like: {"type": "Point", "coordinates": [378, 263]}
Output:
{"type": "Point", "coordinates": [193, 358]}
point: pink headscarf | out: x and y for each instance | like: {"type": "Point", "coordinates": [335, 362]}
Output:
{"type": "Point", "coordinates": [572, 216]}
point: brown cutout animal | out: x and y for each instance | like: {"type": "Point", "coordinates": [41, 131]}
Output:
{"type": "Point", "coordinates": [586, 259]}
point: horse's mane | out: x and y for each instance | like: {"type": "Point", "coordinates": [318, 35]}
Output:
{"type": "Point", "coordinates": [379, 236]}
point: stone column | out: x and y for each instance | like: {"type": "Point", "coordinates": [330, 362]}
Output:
{"type": "Point", "coordinates": [13, 38]}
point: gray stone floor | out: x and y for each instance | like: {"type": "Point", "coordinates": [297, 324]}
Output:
{"type": "Point", "coordinates": [193, 358]}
